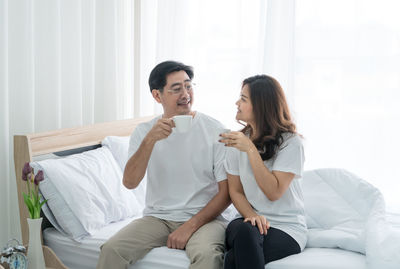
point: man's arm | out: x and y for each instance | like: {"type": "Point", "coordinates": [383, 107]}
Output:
{"type": "Point", "coordinates": [136, 166]}
{"type": "Point", "coordinates": [215, 206]}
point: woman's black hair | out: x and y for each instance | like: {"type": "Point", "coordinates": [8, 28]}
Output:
{"type": "Point", "coordinates": [271, 114]}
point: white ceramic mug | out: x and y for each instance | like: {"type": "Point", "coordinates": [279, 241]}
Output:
{"type": "Point", "coordinates": [182, 123]}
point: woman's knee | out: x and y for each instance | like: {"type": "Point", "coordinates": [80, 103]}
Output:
{"type": "Point", "coordinates": [248, 232]}
{"type": "Point", "coordinates": [231, 231]}
{"type": "Point", "coordinates": [247, 228]}
{"type": "Point", "coordinates": [229, 260]}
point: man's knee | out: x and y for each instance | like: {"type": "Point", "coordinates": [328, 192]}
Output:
{"type": "Point", "coordinates": [206, 251]}
{"type": "Point", "coordinates": [109, 249]}
{"type": "Point", "coordinates": [111, 257]}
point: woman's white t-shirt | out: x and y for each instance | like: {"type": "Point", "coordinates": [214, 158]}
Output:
{"type": "Point", "coordinates": [286, 213]}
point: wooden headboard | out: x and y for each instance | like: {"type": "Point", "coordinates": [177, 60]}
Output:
{"type": "Point", "coordinates": [26, 147]}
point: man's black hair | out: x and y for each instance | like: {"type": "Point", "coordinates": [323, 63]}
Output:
{"type": "Point", "coordinates": [158, 76]}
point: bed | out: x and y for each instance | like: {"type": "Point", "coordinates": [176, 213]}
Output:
{"type": "Point", "coordinates": [345, 214]}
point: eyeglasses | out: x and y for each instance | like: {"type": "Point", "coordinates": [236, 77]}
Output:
{"type": "Point", "coordinates": [178, 89]}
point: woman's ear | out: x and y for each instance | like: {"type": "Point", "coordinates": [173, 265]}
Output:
{"type": "Point", "coordinates": [156, 95]}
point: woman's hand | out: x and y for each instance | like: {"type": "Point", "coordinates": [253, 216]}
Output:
{"type": "Point", "coordinates": [238, 140]}
{"type": "Point", "coordinates": [261, 222]}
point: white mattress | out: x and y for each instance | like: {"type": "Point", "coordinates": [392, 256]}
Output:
{"type": "Point", "coordinates": [326, 258]}
{"type": "Point", "coordinates": [84, 255]}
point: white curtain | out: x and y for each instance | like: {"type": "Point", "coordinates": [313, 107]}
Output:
{"type": "Point", "coordinates": [63, 63]}
{"type": "Point", "coordinates": [220, 39]}
{"type": "Point", "coordinates": [347, 88]}
{"type": "Point", "coordinates": [338, 62]}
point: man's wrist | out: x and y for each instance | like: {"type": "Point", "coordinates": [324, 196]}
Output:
{"type": "Point", "coordinates": [194, 223]}
{"type": "Point", "coordinates": [149, 140]}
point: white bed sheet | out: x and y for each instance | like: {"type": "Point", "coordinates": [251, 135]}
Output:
{"type": "Point", "coordinates": [84, 255]}
{"type": "Point", "coordinates": [321, 258]}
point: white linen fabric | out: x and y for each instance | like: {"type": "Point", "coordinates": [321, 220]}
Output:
{"type": "Point", "coordinates": [85, 192]}
{"type": "Point", "coordinates": [382, 240]}
{"type": "Point", "coordinates": [338, 205]}
{"type": "Point", "coordinates": [321, 258]}
{"type": "Point", "coordinates": [119, 145]}
{"type": "Point", "coordinates": [183, 169]}
{"type": "Point", "coordinates": [344, 211]}
{"type": "Point", "coordinates": [287, 213]}
{"type": "Point", "coordinates": [335, 200]}
{"type": "Point", "coordinates": [84, 255]}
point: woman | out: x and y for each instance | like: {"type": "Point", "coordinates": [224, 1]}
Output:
{"type": "Point", "coordinates": [264, 165]}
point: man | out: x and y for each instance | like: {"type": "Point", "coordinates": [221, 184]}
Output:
{"type": "Point", "coordinates": [186, 182]}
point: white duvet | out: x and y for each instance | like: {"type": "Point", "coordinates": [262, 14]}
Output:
{"type": "Point", "coordinates": [344, 211]}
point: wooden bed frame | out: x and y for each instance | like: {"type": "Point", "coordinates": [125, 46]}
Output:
{"type": "Point", "coordinates": [26, 147]}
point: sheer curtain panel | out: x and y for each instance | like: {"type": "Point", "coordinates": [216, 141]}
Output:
{"type": "Point", "coordinates": [337, 60]}
{"type": "Point", "coordinates": [63, 63]}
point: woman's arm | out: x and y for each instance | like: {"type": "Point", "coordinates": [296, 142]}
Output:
{"type": "Point", "coordinates": [272, 184]}
{"type": "Point", "coordinates": [243, 206]}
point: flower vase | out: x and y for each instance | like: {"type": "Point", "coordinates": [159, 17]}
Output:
{"type": "Point", "coordinates": [35, 250]}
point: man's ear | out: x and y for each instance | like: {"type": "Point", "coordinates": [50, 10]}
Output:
{"type": "Point", "coordinates": [156, 95]}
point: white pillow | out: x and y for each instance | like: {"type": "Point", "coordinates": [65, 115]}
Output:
{"type": "Point", "coordinates": [119, 146]}
{"type": "Point", "coordinates": [85, 192]}
{"type": "Point", "coordinates": [77, 232]}
{"type": "Point", "coordinates": [69, 224]}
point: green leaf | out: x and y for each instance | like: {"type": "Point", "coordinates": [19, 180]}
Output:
{"type": "Point", "coordinates": [42, 203]}
{"type": "Point", "coordinates": [33, 196]}
{"type": "Point", "coordinates": [29, 204]}
{"type": "Point", "coordinates": [27, 200]}
{"type": "Point", "coordinates": [36, 214]}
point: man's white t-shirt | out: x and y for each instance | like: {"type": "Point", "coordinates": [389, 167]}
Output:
{"type": "Point", "coordinates": [184, 169]}
{"type": "Point", "coordinates": [286, 213]}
